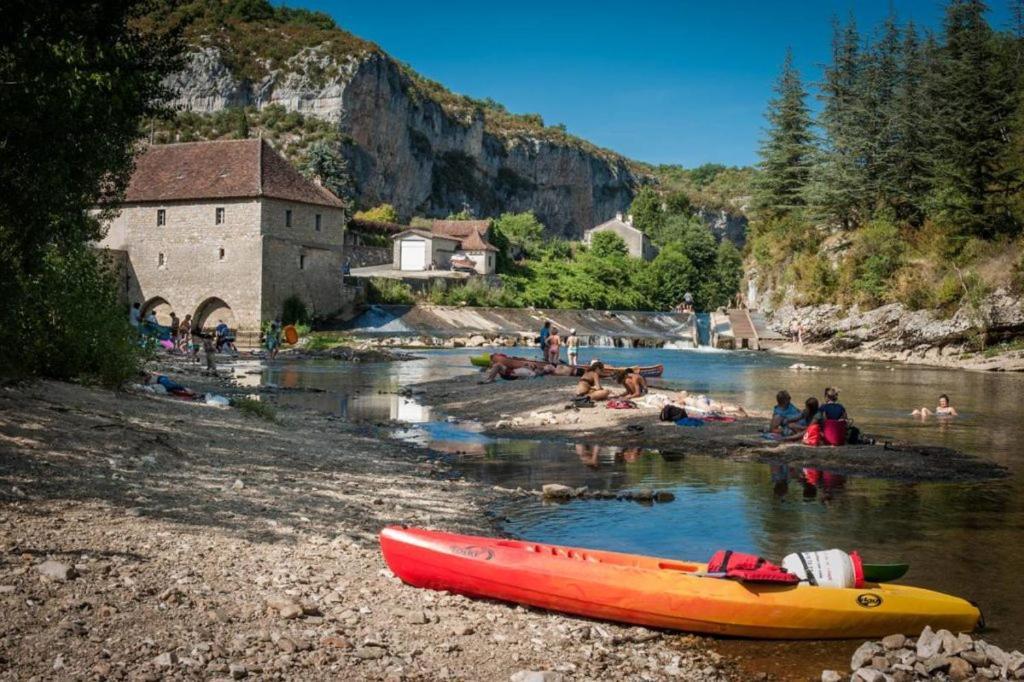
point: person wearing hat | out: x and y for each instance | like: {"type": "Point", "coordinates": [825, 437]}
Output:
{"type": "Point", "coordinates": [572, 347]}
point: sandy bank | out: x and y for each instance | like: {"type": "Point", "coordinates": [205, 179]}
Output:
{"type": "Point", "coordinates": [195, 542]}
{"type": "Point", "coordinates": [536, 408]}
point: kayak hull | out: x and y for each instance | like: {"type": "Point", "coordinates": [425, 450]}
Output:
{"type": "Point", "coordinates": [663, 593]}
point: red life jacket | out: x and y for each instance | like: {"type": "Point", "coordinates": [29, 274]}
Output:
{"type": "Point", "coordinates": [748, 568]}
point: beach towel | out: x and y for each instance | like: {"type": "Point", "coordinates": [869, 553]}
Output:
{"type": "Point", "coordinates": [620, 405]}
{"type": "Point", "coordinates": [719, 418]}
{"type": "Point", "coordinates": [689, 421]}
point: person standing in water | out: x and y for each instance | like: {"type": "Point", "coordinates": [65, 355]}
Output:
{"type": "Point", "coordinates": [572, 347]}
{"type": "Point", "coordinates": [273, 341]}
{"type": "Point", "coordinates": [545, 332]}
{"type": "Point", "coordinates": [554, 347]}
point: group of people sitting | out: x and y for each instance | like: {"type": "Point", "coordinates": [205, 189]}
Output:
{"type": "Point", "coordinates": [589, 385]}
{"type": "Point", "coordinates": [816, 424]}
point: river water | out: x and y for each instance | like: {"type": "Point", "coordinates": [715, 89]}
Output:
{"type": "Point", "coordinates": [962, 538]}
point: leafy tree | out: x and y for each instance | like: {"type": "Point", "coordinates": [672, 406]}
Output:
{"type": "Point", "coordinates": [385, 213]}
{"type": "Point", "coordinates": [728, 273]}
{"type": "Point", "coordinates": [670, 275]}
{"type": "Point", "coordinates": [646, 211]}
{"type": "Point", "coordinates": [788, 148]}
{"type": "Point", "coordinates": [325, 162]}
{"type": "Point", "coordinates": [607, 245]}
{"type": "Point", "coordinates": [77, 81]}
{"type": "Point", "coordinates": [522, 230]}
{"type": "Point", "coordinates": [678, 203]}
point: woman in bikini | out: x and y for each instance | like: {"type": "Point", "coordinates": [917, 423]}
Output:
{"type": "Point", "coordinates": [590, 383]}
{"type": "Point", "coordinates": [635, 385]}
{"type": "Point", "coordinates": [943, 409]}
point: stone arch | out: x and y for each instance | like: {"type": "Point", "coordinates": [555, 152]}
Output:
{"type": "Point", "coordinates": [161, 307]}
{"type": "Point", "coordinates": [210, 311]}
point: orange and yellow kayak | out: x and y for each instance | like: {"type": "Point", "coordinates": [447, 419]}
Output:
{"type": "Point", "coordinates": [663, 593]}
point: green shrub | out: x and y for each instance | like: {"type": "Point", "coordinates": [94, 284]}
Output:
{"type": "Point", "coordinates": [67, 323]}
{"type": "Point", "coordinates": [389, 292]}
{"type": "Point", "coordinates": [815, 279]}
{"type": "Point", "coordinates": [254, 408]}
{"type": "Point", "coordinates": [294, 311]}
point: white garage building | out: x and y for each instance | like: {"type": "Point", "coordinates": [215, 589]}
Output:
{"type": "Point", "coordinates": [418, 250]}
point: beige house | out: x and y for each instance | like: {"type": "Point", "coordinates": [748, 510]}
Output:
{"type": "Point", "coordinates": [448, 245]}
{"type": "Point", "coordinates": [227, 230]}
{"type": "Point", "coordinates": [638, 244]}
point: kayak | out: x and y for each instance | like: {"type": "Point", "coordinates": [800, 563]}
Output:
{"type": "Point", "coordinates": [662, 593]}
{"type": "Point", "coordinates": [647, 371]}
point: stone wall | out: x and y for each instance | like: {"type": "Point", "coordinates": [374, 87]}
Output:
{"type": "Point", "coordinates": [190, 260]}
{"type": "Point", "coordinates": [363, 256]}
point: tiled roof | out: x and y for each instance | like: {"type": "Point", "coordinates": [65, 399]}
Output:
{"type": "Point", "coordinates": [221, 170]}
{"type": "Point", "coordinates": [460, 228]}
{"type": "Point", "coordinates": [474, 242]}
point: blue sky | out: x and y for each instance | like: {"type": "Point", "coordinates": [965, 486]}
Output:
{"type": "Point", "coordinates": [665, 82]}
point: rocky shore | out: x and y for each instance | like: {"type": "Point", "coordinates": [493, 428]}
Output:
{"type": "Point", "coordinates": [538, 408]}
{"type": "Point", "coordinates": [146, 538]}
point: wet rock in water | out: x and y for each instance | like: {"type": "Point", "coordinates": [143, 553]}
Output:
{"type": "Point", "coordinates": [928, 644]}
{"type": "Point", "coordinates": [863, 655]}
{"type": "Point", "coordinates": [557, 491]}
{"type": "Point", "coordinates": [56, 571]}
{"type": "Point", "coordinates": [831, 676]}
{"type": "Point", "coordinates": [960, 670]}
{"type": "Point", "coordinates": [663, 496]}
{"type": "Point", "coordinates": [536, 676]}
{"type": "Point", "coordinates": [894, 642]}
{"type": "Point", "coordinates": [643, 495]}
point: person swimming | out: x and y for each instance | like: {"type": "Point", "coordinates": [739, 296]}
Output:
{"type": "Point", "coordinates": [943, 409]}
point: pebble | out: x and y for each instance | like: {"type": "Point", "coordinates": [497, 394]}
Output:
{"type": "Point", "coordinates": [238, 671]}
{"type": "Point", "coordinates": [557, 491]}
{"type": "Point", "coordinates": [960, 670]}
{"type": "Point", "coordinates": [462, 629]}
{"type": "Point", "coordinates": [55, 570]}
{"type": "Point", "coordinates": [831, 676]}
{"type": "Point", "coordinates": [536, 676]}
{"type": "Point", "coordinates": [336, 642]}
{"type": "Point", "coordinates": [894, 642]}
{"type": "Point", "coordinates": [863, 655]}
{"type": "Point", "coordinates": [166, 660]}
{"type": "Point", "coordinates": [370, 652]}
{"type": "Point", "coordinates": [928, 644]}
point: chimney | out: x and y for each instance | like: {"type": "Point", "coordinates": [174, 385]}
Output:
{"type": "Point", "coordinates": [618, 215]}
{"type": "Point", "coordinates": [629, 219]}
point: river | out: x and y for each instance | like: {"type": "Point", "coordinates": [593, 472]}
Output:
{"type": "Point", "coordinates": [962, 538]}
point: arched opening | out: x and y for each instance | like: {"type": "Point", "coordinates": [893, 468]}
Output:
{"type": "Point", "coordinates": [211, 312]}
{"type": "Point", "coordinates": [161, 307]}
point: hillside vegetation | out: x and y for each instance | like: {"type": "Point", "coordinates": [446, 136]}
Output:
{"type": "Point", "coordinates": [909, 186]}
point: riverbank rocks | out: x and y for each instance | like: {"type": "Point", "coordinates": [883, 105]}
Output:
{"type": "Point", "coordinates": [56, 571]}
{"type": "Point", "coordinates": [933, 655]}
{"type": "Point", "coordinates": [556, 492]}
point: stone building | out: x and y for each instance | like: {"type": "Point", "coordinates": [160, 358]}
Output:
{"type": "Point", "coordinates": [227, 230]}
{"type": "Point", "coordinates": [638, 244]}
{"type": "Point", "coordinates": [449, 244]}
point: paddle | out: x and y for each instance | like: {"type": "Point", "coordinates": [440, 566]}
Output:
{"type": "Point", "coordinates": [883, 573]}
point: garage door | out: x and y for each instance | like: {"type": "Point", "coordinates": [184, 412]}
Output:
{"type": "Point", "coordinates": [414, 254]}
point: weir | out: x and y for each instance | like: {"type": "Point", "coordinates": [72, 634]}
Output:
{"type": "Point", "coordinates": [607, 328]}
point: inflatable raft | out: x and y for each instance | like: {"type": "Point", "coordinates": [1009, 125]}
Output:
{"type": "Point", "coordinates": [663, 593]}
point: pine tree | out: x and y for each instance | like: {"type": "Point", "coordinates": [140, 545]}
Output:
{"type": "Point", "coordinates": [838, 179]}
{"type": "Point", "coordinates": [974, 113]}
{"type": "Point", "coordinates": [788, 148]}
{"type": "Point", "coordinates": [909, 178]}
{"type": "Point", "coordinates": [326, 164]}
{"type": "Point", "coordinates": [880, 85]}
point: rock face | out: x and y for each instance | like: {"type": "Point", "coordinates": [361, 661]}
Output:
{"type": "Point", "coordinates": [894, 332]}
{"type": "Point", "coordinates": [407, 150]}
{"type": "Point", "coordinates": [730, 225]}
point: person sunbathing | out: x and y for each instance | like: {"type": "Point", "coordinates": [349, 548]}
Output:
{"type": "Point", "coordinates": [943, 409]}
{"type": "Point", "coordinates": [635, 385]}
{"type": "Point", "coordinates": [512, 371]}
{"type": "Point", "coordinates": [589, 384]}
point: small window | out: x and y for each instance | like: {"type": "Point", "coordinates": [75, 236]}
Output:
{"type": "Point", "coordinates": [161, 217]}
{"type": "Point", "coordinates": [218, 216]}
{"type": "Point", "coordinates": [161, 261]}
{"type": "Point", "coordinates": [302, 262]}
{"type": "Point", "coordinates": [317, 222]}
{"type": "Point", "coordinates": [288, 217]}
{"type": "Point", "coordinates": [220, 253]}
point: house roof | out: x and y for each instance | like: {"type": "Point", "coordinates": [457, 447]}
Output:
{"type": "Point", "coordinates": [460, 228]}
{"type": "Point", "coordinates": [475, 242]}
{"type": "Point", "coordinates": [423, 233]}
{"type": "Point", "coordinates": [220, 170]}
{"type": "Point", "coordinates": [614, 224]}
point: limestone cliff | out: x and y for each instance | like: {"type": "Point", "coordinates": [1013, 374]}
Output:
{"type": "Point", "coordinates": [418, 151]}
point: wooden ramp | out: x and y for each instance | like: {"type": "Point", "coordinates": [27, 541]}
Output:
{"type": "Point", "coordinates": [743, 329]}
